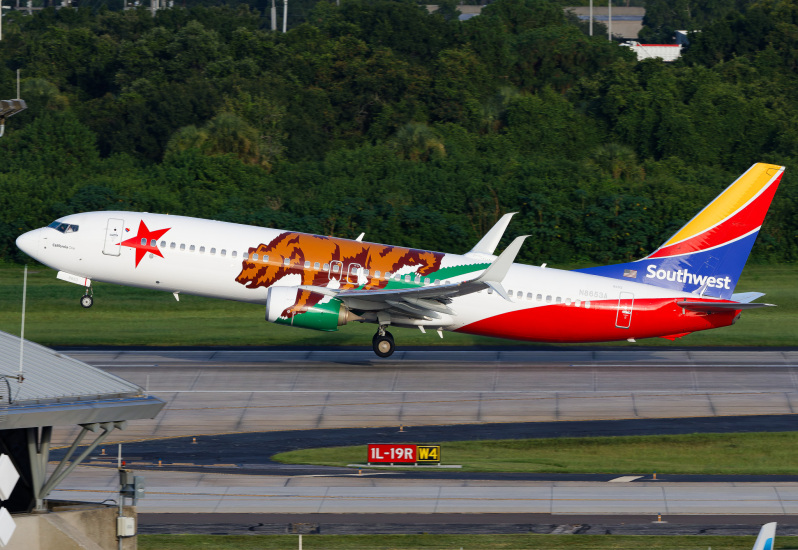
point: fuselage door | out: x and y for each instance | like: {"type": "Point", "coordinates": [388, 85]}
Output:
{"type": "Point", "coordinates": [336, 270]}
{"type": "Point", "coordinates": [626, 303]}
{"type": "Point", "coordinates": [113, 237]}
{"type": "Point", "coordinates": [353, 275]}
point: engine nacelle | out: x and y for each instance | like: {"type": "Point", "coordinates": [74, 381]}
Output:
{"type": "Point", "coordinates": [327, 314]}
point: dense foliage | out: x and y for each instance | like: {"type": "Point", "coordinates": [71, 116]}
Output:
{"type": "Point", "coordinates": [416, 128]}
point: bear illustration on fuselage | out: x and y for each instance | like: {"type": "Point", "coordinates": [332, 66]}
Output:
{"type": "Point", "coordinates": [299, 248]}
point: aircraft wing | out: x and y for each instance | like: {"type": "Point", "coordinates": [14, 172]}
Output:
{"type": "Point", "coordinates": [427, 302]}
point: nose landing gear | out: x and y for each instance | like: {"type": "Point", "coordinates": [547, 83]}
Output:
{"type": "Point", "coordinates": [383, 342]}
{"type": "Point", "coordinates": [87, 300]}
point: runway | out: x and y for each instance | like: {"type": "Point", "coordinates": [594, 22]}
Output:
{"type": "Point", "coordinates": [236, 391]}
{"type": "Point", "coordinates": [219, 391]}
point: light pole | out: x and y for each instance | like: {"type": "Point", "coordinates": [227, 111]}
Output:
{"type": "Point", "coordinates": [2, 7]}
{"type": "Point", "coordinates": [609, 26]}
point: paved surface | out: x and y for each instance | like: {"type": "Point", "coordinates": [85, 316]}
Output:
{"type": "Point", "coordinates": [512, 523]}
{"type": "Point", "coordinates": [222, 392]}
{"type": "Point", "coordinates": [209, 392]}
{"type": "Point", "coordinates": [250, 452]}
{"type": "Point", "coordinates": [353, 494]}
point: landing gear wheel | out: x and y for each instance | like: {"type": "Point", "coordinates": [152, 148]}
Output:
{"type": "Point", "coordinates": [86, 301]}
{"type": "Point", "coordinates": [383, 344]}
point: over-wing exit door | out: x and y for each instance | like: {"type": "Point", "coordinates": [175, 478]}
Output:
{"type": "Point", "coordinates": [113, 237]}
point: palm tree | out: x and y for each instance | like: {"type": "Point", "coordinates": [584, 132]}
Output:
{"type": "Point", "coordinates": [416, 141]}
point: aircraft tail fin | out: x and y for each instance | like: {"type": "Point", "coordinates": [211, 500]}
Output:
{"type": "Point", "coordinates": [707, 255]}
{"type": "Point", "coordinates": [767, 535]}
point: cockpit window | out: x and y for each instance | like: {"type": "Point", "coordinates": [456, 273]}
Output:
{"type": "Point", "coordinates": [64, 227]}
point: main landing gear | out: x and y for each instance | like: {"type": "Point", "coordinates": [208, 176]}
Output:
{"type": "Point", "coordinates": [383, 342]}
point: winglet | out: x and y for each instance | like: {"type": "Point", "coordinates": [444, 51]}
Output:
{"type": "Point", "coordinates": [488, 243]}
{"type": "Point", "coordinates": [497, 271]}
{"type": "Point", "coordinates": [766, 537]}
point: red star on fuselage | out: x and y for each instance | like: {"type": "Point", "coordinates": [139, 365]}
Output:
{"type": "Point", "coordinates": [145, 241]}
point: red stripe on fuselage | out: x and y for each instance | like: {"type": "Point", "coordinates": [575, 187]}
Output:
{"type": "Point", "coordinates": [562, 323]}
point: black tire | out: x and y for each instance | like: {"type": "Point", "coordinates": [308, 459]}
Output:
{"type": "Point", "coordinates": [86, 301]}
{"type": "Point", "coordinates": [377, 335]}
{"type": "Point", "coordinates": [383, 345]}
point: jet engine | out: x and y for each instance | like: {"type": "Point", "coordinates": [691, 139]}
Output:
{"type": "Point", "coordinates": [327, 314]}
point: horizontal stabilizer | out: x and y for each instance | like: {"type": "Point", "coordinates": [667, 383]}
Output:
{"type": "Point", "coordinates": [719, 307]}
{"type": "Point", "coordinates": [746, 297]}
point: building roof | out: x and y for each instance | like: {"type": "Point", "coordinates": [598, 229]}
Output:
{"type": "Point", "coordinates": [59, 390]}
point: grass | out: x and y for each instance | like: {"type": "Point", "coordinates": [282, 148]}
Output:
{"type": "Point", "coordinates": [741, 453]}
{"type": "Point", "coordinates": [454, 542]}
{"type": "Point", "coordinates": [130, 316]}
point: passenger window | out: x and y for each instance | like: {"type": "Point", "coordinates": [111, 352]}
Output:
{"type": "Point", "coordinates": [587, 304]}
{"type": "Point", "coordinates": [202, 250]}
{"type": "Point", "coordinates": [528, 295]}
{"type": "Point", "coordinates": [254, 257]}
{"type": "Point", "coordinates": [365, 272]}
{"type": "Point", "coordinates": [213, 251]}
{"type": "Point", "coordinates": [234, 254]}
{"type": "Point", "coordinates": [224, 252]}
{"type": "Point", "coordinates": [182, 246]}
{"type": "Point", "coordinates": [265, 258]}
{"type": "Point", "coordinates": [567, 301]}
{"type": "Point", "coordinates": [326, 267]}
{"type": "Point", "coordinates": [490, 291]}
{"type": "Point", "coordinates": [245, 256]}
{"type": "Point", "coordinates": [578, 303]}
{"type": "Point", "coordinates": [287, 261]}
{"type": "Point", "coordinates": [163, 244]}
{"type": "Point", "coordinates": [377, 274]}
{"type": "Point", "coordinates": [143, 242]}
{"type": "Point", "coordinates": [307, 264]}
{"type": "Point", "coordinates": [558, 300]}
{"type": "Point", "coordinates": [172, 245]}
{"type": "Point", "coordinates": [316, 265]}
{"type": "Point", "coordinates": [548, 299]}
{"type": "Point", "coordinates": [191, 248]}
{"type": "Point", "coordinates": [426, 280]}
{"type": "Point", "coordinates": [510, 293]}
{"type": "Point", "coordinates": [388, 274]}
{"type": "Point", "coordinates": [540, 297]}
{"type": "Point", "coordinates": [336, 268]}
{"type": "Point", "coordinates": [437, 282]}
{"type": "Point", "coordinates": [407, 278]}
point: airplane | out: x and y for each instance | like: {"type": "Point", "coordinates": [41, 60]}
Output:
{"type": "Point", "coordinates": [766, 537]}
{"type": "Point", "coordinates": [324, 282]}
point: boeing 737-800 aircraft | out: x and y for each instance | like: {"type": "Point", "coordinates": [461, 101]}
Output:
{"type": "Point", "coordinates": [323, 282]}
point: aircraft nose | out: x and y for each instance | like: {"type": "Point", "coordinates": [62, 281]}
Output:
{"type": "Point", "coordinates": [29, 242]}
